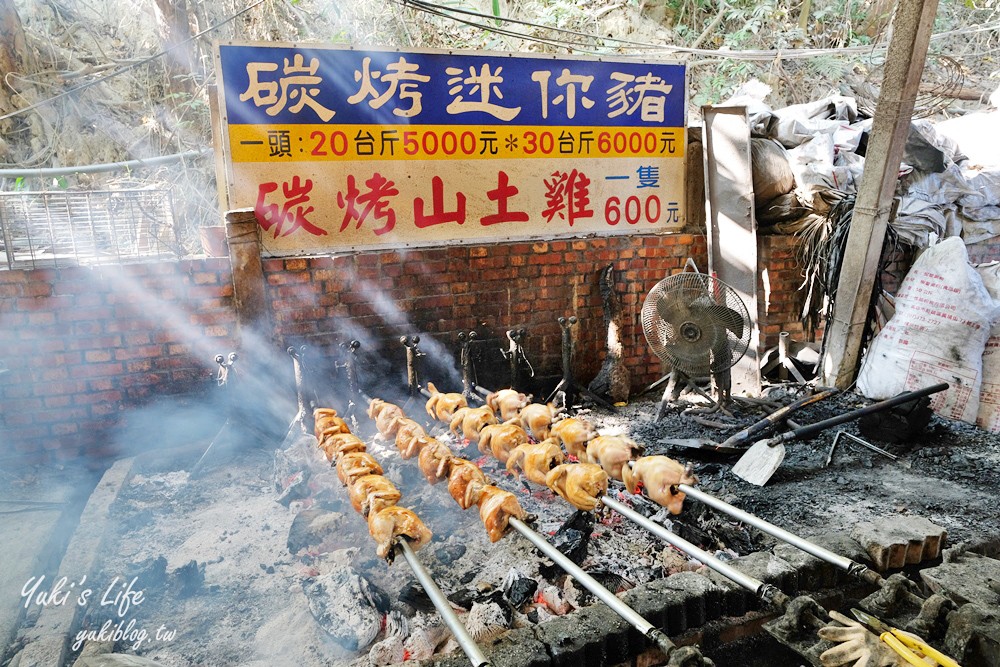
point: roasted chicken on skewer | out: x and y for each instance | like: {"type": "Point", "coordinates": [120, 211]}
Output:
{"type": "Point", "coordinates": [471, 421]}
{"type": "Point", "coordinates": [405, 430]}
{"type": "Point", "coordinates": [580, 484]}
{"type": "Point", "coordinates": [371, 493]}
{"type": "Point", "coordinates": [501, 439]}
{"type": "Point", "coordinates": [413, 447]}
{"type": "Point", "coordinates": [338, 444]}
{"type": "Point", "coordinates": [353, 465]}
{"type": "Point", "coordinates": [322, 418]}
{"type": "Point", "coordinates": [433, 461]}
{"type": "Point", "coordinates": [574, 434]}
{"type": "Point", "coordinates": [611, 452]}
{"type": "Point", "coordinates": [496, 506]}
{"type": "Point", "coordinates": [391, 523]}
{"type": "Point", "coordinates": [537, 419]}
{"type": "Point", "coordinates": [442, 406]}
{"type": "Point", "coordinates": [535, 460]}
{"type": "Point", "coordinates": [659, 476]}
{"type": "Point", "coordinates": [507, 403]}
{"type": "Point", "coordinates": [465, 482]}
{"type": "Point", "coordinates": [383, 413]}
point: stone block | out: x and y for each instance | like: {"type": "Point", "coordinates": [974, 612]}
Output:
{"type": "Point", "coordinates": [893, 542]}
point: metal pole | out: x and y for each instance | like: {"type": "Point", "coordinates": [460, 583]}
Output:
{"type": "Point", "coordinates": [852, 567]}
{"type": "Point", "coordinates": [591, 584]}
{"type": "Point", "coordinates": [756, 586]}
{"type": "Point", "coordinates": [465, 640]}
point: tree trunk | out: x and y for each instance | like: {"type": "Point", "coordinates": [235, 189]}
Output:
{"type": "Point", "coordinates": [175, 28]}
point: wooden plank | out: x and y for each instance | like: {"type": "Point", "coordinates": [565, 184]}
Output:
{"type": "Point", "coordinates": [732, 227]}
{"type": "Point", "coordinates": [242, 232]}
{"type": "Point", "coordinates": [903, 68]}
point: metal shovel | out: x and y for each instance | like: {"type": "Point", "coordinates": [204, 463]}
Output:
{"type": "Point", "coordinates": [737, 442]}
{"type": "Point", "coordinates": [765, 456]}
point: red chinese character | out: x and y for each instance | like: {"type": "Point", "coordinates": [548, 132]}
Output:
{"type": "Point", "coordinates": [379, 189]}
{"type": "Point", "coordinates": [439, 216]}
{"type": "Point", "coordinates": [271, 215]}
{"type": "Point", "coordinates": [568, 195]}
{"type": "Point", "coordinates": [500, 195]}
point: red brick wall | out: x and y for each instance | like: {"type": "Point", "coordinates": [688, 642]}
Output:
{"type": "Point", "coordinates": [438, 293]}
{"type": "Point", "coordinates": [83, 344]}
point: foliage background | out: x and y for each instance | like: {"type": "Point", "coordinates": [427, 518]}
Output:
{"type": "Point", "coordinates": [107, 92]}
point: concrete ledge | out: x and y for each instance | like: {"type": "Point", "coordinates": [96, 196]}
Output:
{"type": "Point", "coordinates": [48, 640]}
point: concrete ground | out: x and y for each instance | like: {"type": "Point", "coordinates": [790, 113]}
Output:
{"type": "Point", "coordinates": [39, 509]}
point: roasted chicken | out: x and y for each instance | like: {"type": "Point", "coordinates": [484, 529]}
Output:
{"type": "Point", "coordinates": [659, 476]}
{"type": "Point", "coordinates": [356, 464]}
{"type": "Point", "coordinates": [507, 403]}
{"type": "Point", "coordinates": [433, 460]}
{"type": "Point", "coordinates": [537, 419]}
{"type": "Point", "coordinates": [331, 426]}
{"type": "Point", "coordinates": [391, 523]}
{"type": "Point", "coordinates": [471, 421]}
{"type": "Point", "coordinates": [382, 413]}
{"type": "Point", "coordinates": [465, 482]}
{"type": "Point", "coordinates": [338, 444]}
{"type": "Point", "coordinates": [405, 430]}
{"type": "Point", "coordinates": [574, 434]}
{"type": "Point", "coordinates": [370, 493]}
{"type": "Point", "coordinates": [413, 447]}
{"type": "Point", "coordinates": [535, 460]}
{"type": "Point", "coordinates": [580, 484]}
{"type": "Point", "coordinates": [501, 439]}
{"type": "Point", "coordinates": [322, 418]}
{"type": "Point", "coordinates": [611, 452]}
{"type": "Point", "coordinates": [442, 406]}
{"type": "Point", "coordinates": [496, 507]}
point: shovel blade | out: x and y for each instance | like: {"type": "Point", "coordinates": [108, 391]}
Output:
{"type": "Point", "coordinates": [759, 462]}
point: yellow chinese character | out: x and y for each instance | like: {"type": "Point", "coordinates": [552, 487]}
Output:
{"type": "Point", "coordinates": [570, 82]}
{"type": "Point", "coordinates": [401, 76]}
{"type": "Point", "coordinates": [485, 84]}
{"type": "Point", "coordinates": [648, 92]}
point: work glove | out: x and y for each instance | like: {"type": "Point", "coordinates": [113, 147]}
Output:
{"type": "Point", "coordinates": [856, 646]}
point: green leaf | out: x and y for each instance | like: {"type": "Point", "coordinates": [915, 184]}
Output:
{"type": "Point", "coordinates": [19, 183]}
{"type": "Point", "coordinates": [496, 11]}
{"type": "Point", "coordinates": [61, 182]}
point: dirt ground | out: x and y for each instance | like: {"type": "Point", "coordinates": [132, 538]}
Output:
{"type": "Point", "coordinates": [213, 558]}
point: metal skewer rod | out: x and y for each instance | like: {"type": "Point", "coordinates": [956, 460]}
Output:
{"type": "Point", "coordinates": [603, 594]}
{"type": "Point", "coordinates": [465, 640]}
{"type": "Point", "coordinates": [763, 590]}
{"type": "Point", "coordinates": [851, 567]}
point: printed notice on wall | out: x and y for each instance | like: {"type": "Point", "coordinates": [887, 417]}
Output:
{"type": "Point", "coordinates": [338, 149]}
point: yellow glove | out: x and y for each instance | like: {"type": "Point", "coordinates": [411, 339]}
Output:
{"type": "Point", "coordinates": [856, 646]}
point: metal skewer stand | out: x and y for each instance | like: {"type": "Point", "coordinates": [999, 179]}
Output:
{"type": "Point", "coordinates": [462, 636]}
{"type": "Point", "coordinates": [630, 615]}
{"type": "Point", "coordinates": [413, 353]}
{"type": "Point", "coordinates": [568, 384]}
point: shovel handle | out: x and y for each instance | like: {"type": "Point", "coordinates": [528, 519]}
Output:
{"type": "Point", "coordinates": [744, 436]}
{"type": "Point", "coordinates": [905, 397]}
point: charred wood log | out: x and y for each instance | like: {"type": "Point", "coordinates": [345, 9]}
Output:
{"type": "Point", "coordinates": [613, 379]}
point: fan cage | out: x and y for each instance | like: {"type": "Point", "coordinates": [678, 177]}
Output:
{"type": "Point", "coordinates": [696, 323]}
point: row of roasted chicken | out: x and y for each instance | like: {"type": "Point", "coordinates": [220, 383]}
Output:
{"type": "Point", "coordinates": [527, 442]}
{"type": "Point", "coordinates": [529, 439]}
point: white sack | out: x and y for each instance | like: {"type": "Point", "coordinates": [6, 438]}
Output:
{"type": "Point", "coordinates": [989, 395]}
{"type": "Point", "coordinates": [938, 334]}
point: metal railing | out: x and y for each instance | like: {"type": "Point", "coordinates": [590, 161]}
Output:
{"type": "Point", "coordinates": [67, 228]}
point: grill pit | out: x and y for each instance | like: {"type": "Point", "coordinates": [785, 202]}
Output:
{"type": "Point", "coordinates": [231, 569]}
